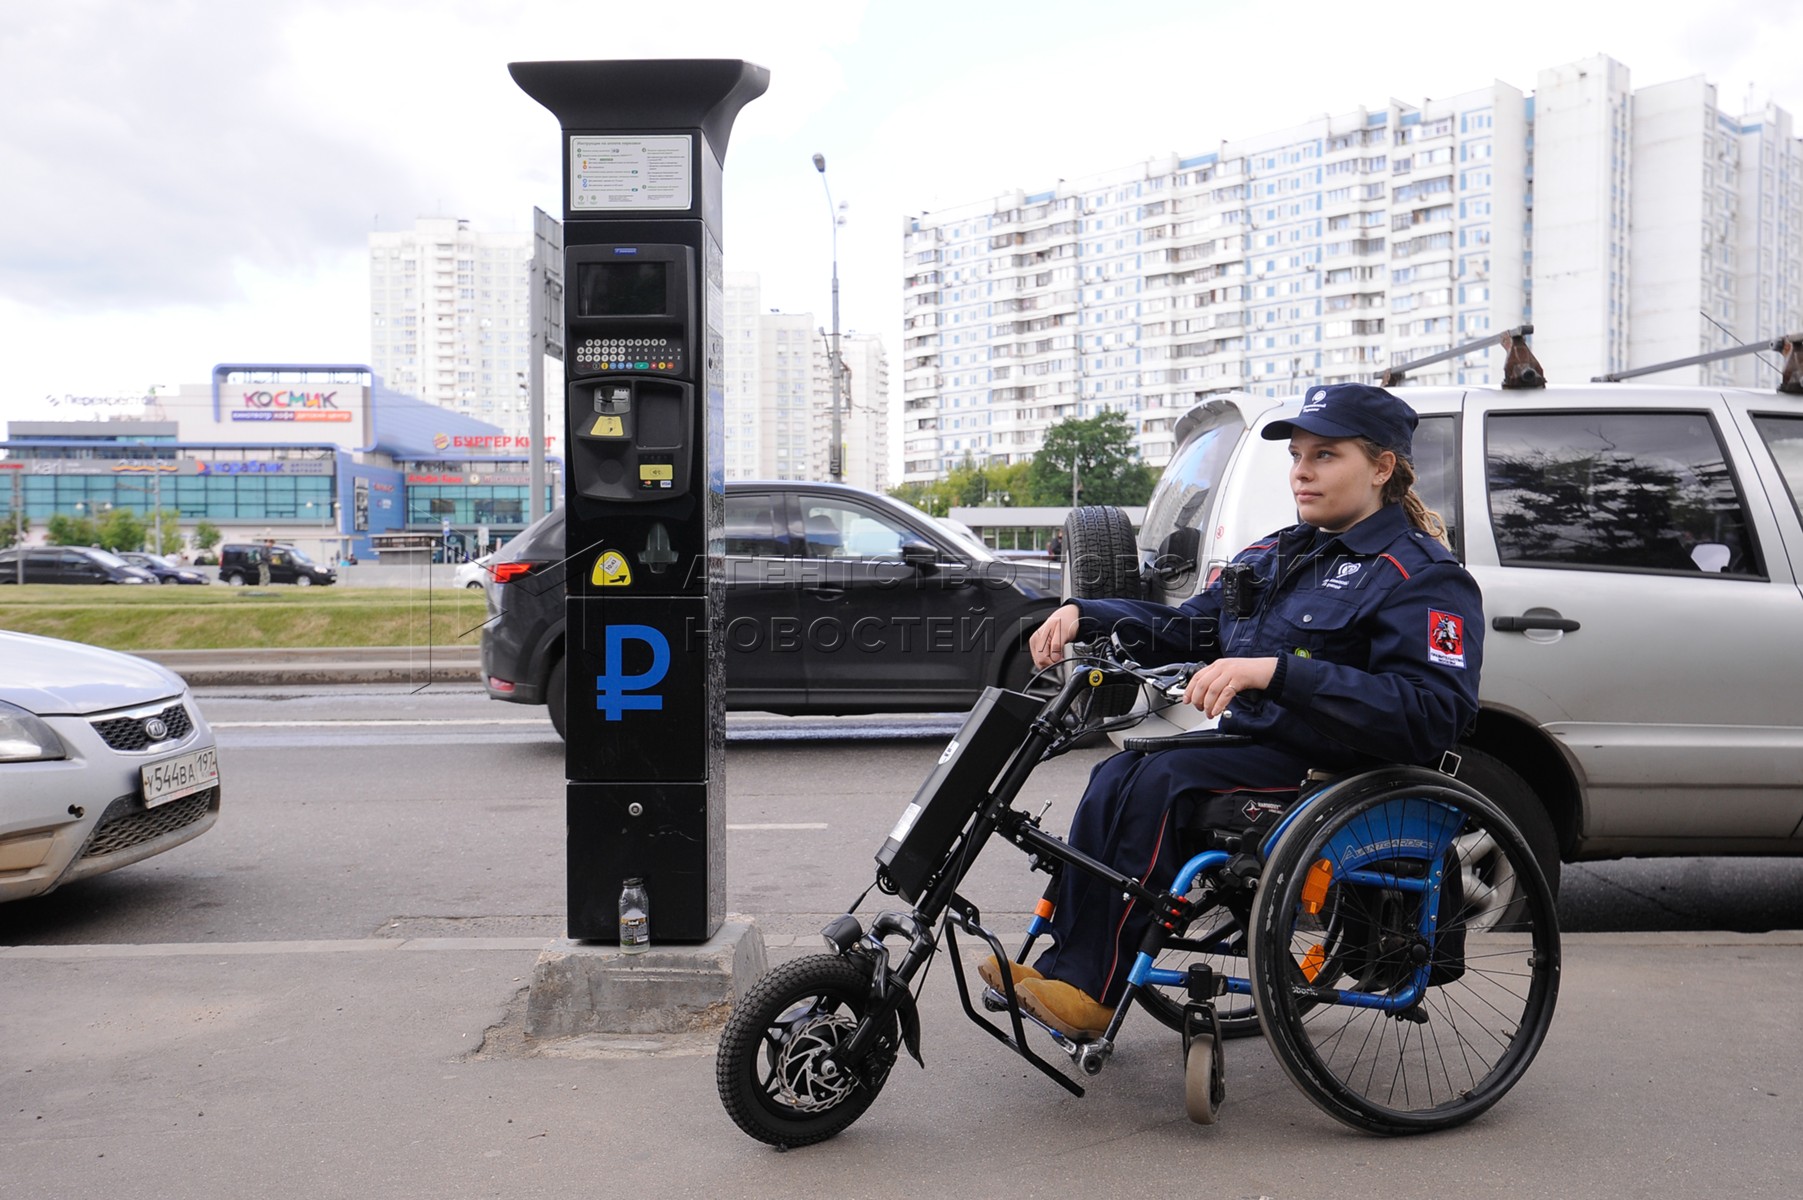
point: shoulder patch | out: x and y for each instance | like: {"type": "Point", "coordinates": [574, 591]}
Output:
{"type": "Point", "coordinates": [1445, 638]}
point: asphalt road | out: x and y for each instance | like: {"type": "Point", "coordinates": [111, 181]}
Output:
{"type": "Point", "coordinates": [322, 997]}
{"type": "Point", "coordinates": [385, 811]}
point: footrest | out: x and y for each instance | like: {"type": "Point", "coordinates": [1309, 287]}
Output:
{"type": "Point", "coordinates": [963, 916]}
{"type": "Point", "coordinates": [1185, 741]}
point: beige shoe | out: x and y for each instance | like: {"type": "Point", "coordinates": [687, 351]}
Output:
{"type": "Point", "coordinates": [1070, 1010]}
{"type": "Point", "coordinates": [991, 974]}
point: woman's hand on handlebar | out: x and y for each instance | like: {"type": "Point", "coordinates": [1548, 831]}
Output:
{"type": "Point", "coordinates": [1213, 688]}
{"type": "Point", "coordinates": [1048, 641]}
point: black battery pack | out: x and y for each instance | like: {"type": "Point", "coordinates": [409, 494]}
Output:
{"type": "Point", "coordinates": [958, 786]}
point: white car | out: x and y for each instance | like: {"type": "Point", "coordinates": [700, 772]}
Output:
{"type": "Point", "coordinates": [1640, 551]}
{"type": "Point", "coordinates": [105, 760]}
{"type": "Point", "coordinates": [473, 573]}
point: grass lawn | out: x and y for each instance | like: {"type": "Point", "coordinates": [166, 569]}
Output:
{"type": "Point", "coordinates": [223, 618]}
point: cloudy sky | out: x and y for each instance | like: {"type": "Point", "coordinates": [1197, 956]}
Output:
{"type": "Point", "coordinates": [185, 182]}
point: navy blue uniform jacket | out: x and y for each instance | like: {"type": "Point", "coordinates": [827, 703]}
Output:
{"type": "Point", "coordinates": [1378, 633]}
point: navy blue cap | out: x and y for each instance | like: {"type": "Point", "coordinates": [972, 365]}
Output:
{"type": "Point", "coordinates": [1344, 410]}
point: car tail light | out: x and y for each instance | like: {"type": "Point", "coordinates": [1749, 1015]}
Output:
{"type": "Point", "coordinates": [507, 572]}
{"type": "Point", "coordinates": [499, 684]}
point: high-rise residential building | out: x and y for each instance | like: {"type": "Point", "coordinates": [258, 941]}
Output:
{"type": "Point", "coordinates": [863, 412]}
{"type": "Point", "coordinates": [779, 394]}
{"type": "Point", "coordinates": [740, 354]}
{"type": "Point", "coordinates": [448, 317]}
{"type": "Point", "coordinates": [786, 394]}
{"type": "Point", "coordinates": [1333, 249]}
{"type": "Point", "coordinates": [1768, 259]}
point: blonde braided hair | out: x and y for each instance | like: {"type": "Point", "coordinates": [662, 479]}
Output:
{"type": "Point", "coordinates": [1399, 488]}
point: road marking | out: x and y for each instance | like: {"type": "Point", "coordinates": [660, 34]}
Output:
{"type": "Point", "coordinates": [783, 825]}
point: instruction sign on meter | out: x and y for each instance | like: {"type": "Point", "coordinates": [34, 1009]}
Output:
{"type": "Point", "coordinates": [651, 172]}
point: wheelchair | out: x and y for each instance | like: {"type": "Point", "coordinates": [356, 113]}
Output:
{"type": "Point", "coordinates": [1391, 935]}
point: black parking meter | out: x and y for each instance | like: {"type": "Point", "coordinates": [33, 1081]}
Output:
{"type": "Point", "coordinates": [643, 143]}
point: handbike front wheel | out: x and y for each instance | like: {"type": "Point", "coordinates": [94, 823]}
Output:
{"type": "Point", "coordinates": [774, 1070]}
{"type": "Point", "coordinates": [1397, 1008]}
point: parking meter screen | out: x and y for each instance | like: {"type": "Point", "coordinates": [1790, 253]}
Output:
{"type": "Point", "coordinates": [624, 289]}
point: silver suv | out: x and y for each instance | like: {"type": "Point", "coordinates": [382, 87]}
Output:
{"type": "Point", "coordinates": [1640, 551]}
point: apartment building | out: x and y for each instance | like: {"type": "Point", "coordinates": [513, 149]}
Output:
{"type": "Point", "coordinates": [863, 412]}
{"type": "Point", "coordinates": [1330, 250]}
{"type": "Point", "coordinates": [448, 317]}
{"type": "Point", "coordinates": [779, 394]}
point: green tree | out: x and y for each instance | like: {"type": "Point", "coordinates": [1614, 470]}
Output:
{"type": "Point", "coordinates": [172, 531]}
{"type": "Point", "coordinates": [967, 485]}
{"type": "Point", "coordinates": [914, 493]}
{"type": "Point", "coordinates": [13, 529]}
{"type": "Point", "coordinates": [65, 530]}
{"type": "Point", "coordinates": [1108, 466]}
{"type": "Point", "coordinates": [122, 529]}
{"type": "Point", "coordinates": [206, 535]}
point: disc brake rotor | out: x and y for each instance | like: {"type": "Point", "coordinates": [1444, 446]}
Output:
{"type": "Point", "coordinates": [806, 1077]}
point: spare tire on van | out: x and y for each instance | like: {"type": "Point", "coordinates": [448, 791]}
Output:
{"type": "Point", "coordinates": [1101, 562]}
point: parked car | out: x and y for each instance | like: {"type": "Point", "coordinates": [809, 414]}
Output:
{"type": "Point", "coordinates": [105, 760]}
{"type": "Point", "coordinates": [69, 564]}
{"type": "Point", "coordinates": [1638, 550]}
{"type": "Point", "coordinates": [239, 564]}
{"type": "Point", "coordinates": [165, 569]}
{"type": "Point", "coordinates": [806, 557]}
{"type": "Point", "coordinates": [473, 573]}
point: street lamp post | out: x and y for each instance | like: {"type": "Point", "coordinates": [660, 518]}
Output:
{"type": "Point", "coordinates": [835, 467]}
{"type": "Point", "coordinates": [18, 525]}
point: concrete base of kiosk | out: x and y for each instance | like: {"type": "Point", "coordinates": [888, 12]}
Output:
{"type": "Point", "coordinates": [588, 987]}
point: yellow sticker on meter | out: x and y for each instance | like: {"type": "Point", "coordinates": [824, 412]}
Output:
{"type": "Point", "coordinates": [608, 427]}
{"type": "Point", "coordinates": [1095, 677]}
{"type": "Point", "coordinates": [611, 571]}
{"type": "Point", "coordinates": [656, 471]}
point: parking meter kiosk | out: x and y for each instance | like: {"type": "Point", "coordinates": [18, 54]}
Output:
{"type": "Point", "coordinates": [643, 144]}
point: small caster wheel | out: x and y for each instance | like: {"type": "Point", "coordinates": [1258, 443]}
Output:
{"type": "Point", "coordinates": [1203, 1087]}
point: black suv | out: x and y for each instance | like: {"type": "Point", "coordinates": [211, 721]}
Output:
{"type": "Point", "coordinates": [838, 600]}
{"type": "Point", "coordinates": [239, 563]}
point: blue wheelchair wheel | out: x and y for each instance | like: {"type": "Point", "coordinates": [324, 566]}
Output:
{"type": "Point", "coordinates": [1404, 953]}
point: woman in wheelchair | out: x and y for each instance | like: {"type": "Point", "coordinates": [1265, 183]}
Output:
{"type": "Point", "coordinates": [1350, 639]}
{"type": "Point", "coordinates": [1389, 931]}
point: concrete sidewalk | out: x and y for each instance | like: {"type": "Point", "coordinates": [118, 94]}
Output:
{"type": "Point", "coordinates": [399, 1068]}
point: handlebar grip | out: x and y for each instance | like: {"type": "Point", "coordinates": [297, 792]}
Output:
{"type": "Point", "coordinates": [1185, 741]}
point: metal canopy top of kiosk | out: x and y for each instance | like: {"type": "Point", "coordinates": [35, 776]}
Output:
{"type": "Point", "coordinates": [646, 94]}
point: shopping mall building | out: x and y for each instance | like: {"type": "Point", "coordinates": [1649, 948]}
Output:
{"type": "Point", "coordinates": [325, 457]}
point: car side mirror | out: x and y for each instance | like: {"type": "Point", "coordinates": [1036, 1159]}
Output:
{"type": "Point", "coordinates": [919, 554]}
